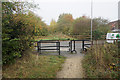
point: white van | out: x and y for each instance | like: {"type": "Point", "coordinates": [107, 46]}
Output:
{"type": "Point", "coordinates": [112, 36]}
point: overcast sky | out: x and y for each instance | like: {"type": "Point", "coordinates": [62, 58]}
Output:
{"type": "Point", "coordinates": [51, 9]}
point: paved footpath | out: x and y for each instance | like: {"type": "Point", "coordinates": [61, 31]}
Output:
{"type": "Point", "coordinates": [72, 68]}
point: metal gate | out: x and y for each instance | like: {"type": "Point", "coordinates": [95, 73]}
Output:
{"type": "Point", "coordinates": [57, 45]}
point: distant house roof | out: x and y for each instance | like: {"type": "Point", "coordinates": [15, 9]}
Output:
{"type": "Point", "coordinates": [114, 24]}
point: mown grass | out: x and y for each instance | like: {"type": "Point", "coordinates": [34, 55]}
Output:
{"type": "Point", "coordinates": [57, 36]}
{"type": "Point", "coordinates": [33, 66]}
{"type": "Point", "coordinates": [101, 61]}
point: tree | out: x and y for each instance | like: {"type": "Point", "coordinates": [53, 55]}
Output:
{"type": "Point", "coordinates": [64, 23]}
{"type": "Point", "coordinates": [99, 22]}
{"type": "Point", "coordinates": [52, 26]}
{"type": "Point", "coordinates": [100, 27]}
{"type": "Point", "coordinates": [81, 26]}
{"type": "Point", "coordinates": [38, 24]}
{"type": "Point", "coordinates": [18, 29]}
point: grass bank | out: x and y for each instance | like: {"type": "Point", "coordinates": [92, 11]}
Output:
{"type": "Point", "coordinates": [56, 36]}
{"type": "Point", "coordinates": [33, 66]}
{"type": "Point", "coordinates": [101, 61]}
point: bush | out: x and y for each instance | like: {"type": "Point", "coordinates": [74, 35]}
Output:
{"type": "Point", "coordinates": [101, 61]}
{"type": "Point", "coordinates": [18, 28]}
{"type": "Point", "coordinates": [97, 34]}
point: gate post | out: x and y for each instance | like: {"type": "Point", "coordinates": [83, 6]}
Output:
{"type": "Point", "coordinates": [74, 45]}
{"type": "Point", "coordinates": [59, 47]}
{"type": "Point", "coordinates": [38, 46]}
{"type": "Point", "coordinates": [83, 45]}
{"type": "Point", "coordinates": [71, 45]}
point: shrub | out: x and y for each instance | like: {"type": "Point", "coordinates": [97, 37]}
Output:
{"type": "Point", "coordinates": [101, 61]}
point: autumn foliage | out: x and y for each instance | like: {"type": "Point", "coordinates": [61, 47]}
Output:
{"type": "Point", "coordinates": [19, 26]}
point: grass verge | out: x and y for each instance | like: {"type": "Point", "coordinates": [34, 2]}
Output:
{"type": "Point", "coordinates": [101, 61]}
{"type": "Point", "coordinates": [57, 36]}
{"type": "Point", "coordinates": [31, 66]}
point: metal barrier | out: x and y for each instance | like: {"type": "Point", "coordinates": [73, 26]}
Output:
{"type": "Point", "coordinates": [83, 45]}
{"type": "Point", "coordinates": [40, 47]}
{"type": "Point", "coordinates": [71, 45]}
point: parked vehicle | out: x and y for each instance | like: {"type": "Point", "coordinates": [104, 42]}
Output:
{"type": "Point", "coordinates": [113, 37]}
